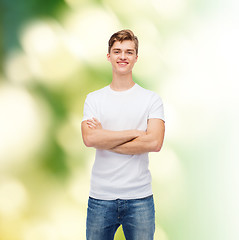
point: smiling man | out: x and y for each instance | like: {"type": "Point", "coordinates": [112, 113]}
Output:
{"type": "Point", "coordinates": [123, 122]}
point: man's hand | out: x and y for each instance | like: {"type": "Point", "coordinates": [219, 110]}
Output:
{"type": "Point", "coordinates": [94, 123]}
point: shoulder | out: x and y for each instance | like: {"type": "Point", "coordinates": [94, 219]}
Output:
{"type": "Point", "coordinates": [149, 93]}
{"type": "Point", "coordinates": [98, 93]}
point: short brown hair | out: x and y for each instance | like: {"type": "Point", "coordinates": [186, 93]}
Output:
{"type": "Point", "coordinates": [122, 36]}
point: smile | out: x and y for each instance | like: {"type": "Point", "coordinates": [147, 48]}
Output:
{"type": "Point", "coordinates": [122, 63]}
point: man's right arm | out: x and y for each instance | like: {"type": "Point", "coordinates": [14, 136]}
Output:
{"type": "Point", "coordinates": [105, 139]}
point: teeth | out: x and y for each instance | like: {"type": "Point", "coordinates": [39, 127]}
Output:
{"type": "Point", "coordinates": [122, 63]}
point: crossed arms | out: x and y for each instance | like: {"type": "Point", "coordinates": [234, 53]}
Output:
{"type": "Point", "coordinates": [124, 142]}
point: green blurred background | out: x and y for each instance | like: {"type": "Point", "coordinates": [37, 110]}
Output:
{"type": "Point", "coordinates": [53, 53]}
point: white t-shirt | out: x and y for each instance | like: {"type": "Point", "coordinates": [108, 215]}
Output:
{"type": "Point", "coordinates": [117, 175]}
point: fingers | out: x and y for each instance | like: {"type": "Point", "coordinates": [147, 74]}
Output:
{"type": "Point", "coordinates": [96, 120]}
{"type": "Point", "coordinates": [93, 123]}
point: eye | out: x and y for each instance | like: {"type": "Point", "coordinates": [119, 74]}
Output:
{"type": "Point", "coordinates": [130, 53]}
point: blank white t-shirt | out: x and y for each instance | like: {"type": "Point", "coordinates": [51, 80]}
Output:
{"type": "Point", "coordinates": [114, 175]}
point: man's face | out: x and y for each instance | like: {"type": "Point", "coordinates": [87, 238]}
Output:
{"type": "Point", "coordinates": [122, 56]}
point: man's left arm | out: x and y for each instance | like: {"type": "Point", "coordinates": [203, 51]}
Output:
{"type": "Point", "coordinates": [151, 142]}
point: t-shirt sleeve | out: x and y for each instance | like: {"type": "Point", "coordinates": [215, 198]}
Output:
{"type": "Point", "coordinates": [90, 110]}
{"type": "Point", "coordinates": [156, 108]}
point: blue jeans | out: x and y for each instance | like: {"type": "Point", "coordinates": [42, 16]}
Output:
{"type": "Point", "coordinates": [137, 217]}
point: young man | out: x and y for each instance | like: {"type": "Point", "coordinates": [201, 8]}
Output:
{"type": "Point", "coordinates": [124, 122]}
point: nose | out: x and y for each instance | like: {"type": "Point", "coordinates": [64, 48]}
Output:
{"type": "Point", "coordinates": [122, 56]}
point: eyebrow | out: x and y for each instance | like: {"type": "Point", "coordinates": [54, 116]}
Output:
{"type": "Point", "coordinates": [115, 49]}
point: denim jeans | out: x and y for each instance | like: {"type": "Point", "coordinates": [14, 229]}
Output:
{"type": "Point", "coordinates": [137, 217]}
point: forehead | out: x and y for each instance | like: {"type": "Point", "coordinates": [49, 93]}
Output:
{"type": "Point", "coordinates": [127, 44]}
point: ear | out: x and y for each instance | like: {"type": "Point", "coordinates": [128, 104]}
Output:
{"type": "Point", "coordinates": [108, 56]}
{"type": "Point", "coordinates": [136, 58]}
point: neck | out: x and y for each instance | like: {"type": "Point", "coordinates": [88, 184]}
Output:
{"type": "Point", "coordinates": [122, 82]}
